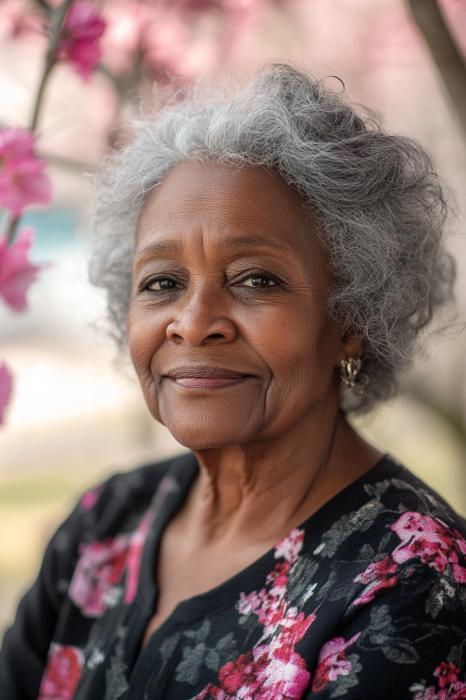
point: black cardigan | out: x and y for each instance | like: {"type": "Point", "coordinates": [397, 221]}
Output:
{"type": "Point", "coordinates": [365, 599]}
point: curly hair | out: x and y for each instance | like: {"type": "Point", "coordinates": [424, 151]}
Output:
{"type": "Point", "coordinates": [381, 206]}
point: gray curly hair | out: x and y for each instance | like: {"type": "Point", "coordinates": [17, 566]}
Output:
{"type": "Point", "coordinates": [381, 207]}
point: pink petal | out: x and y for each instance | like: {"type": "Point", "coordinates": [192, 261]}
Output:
{"type": "Point", "coordinates": [80, 42]}
{"type": "Point", "coordinates": [6, 387]}
{"type": "Point", "coordinates": [16, 272]}
{"type": "Point", "coordinates": [23, 182]}
{"type": "Point", "coordinates": [15, 143]}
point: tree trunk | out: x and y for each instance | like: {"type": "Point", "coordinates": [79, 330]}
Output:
{"type": "Point", "coordinates": [447, 57]}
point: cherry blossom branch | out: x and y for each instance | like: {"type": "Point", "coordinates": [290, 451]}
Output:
{"type": "Point", "coordinates": [50, 60]}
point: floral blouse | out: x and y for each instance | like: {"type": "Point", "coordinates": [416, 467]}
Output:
{"type": "Point", "coordinates": [365, 599]}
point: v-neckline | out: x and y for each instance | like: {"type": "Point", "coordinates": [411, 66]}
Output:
{"type": "Point", "coordinates": [184, 470]}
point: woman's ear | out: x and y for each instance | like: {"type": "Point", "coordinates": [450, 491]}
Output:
{"type": "Point", "coordinates": [350, 346]}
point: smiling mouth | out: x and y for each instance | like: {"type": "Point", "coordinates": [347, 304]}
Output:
{"type": "Point", "coordinates": [207, 382]}
{"type": "Point", "coordinates": [206, 377]}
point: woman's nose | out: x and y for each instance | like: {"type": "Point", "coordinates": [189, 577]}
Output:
{"type": "Point", "coordinates": [201, 321]}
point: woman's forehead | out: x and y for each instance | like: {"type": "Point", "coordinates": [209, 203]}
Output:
{"type": "Point", "coordinates": [237, 206]}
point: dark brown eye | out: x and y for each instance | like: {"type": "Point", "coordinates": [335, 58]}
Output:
{"type": "Point", "coordinates": [259, 280]}
{"type": "Point", "coordinates": [159, 284]}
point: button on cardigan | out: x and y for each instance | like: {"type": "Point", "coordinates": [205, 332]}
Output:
{"type": "Point", "coordinates": [365, 599]}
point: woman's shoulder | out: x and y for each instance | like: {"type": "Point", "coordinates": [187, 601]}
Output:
{"type": "Point", "coordinates": [387, 504]}
{"type": "Point", "coordinates": [120, 499]}
{"type": "Point", "coordinates": [398, 489]}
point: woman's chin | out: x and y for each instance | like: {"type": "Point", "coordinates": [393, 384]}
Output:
{"type": "Point", "coordinates": [207, 437]}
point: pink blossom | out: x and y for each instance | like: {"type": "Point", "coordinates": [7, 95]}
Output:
{"type": "Point", "coordinates": [290, 547]}
{"type": "Point", "coordinates": [22, 177]}
{"type": "Point", "coordinates": [6, 387]}
{"type": "Point", "coordinates": [22, 184]}
{"type": "Point", "coordinates": [80, 43]}
{"type": "Point", "coordinates": [165, 46]}
{"type": "Point", "coordinates": [332, 661]}
{"type": "Point", "coordinates": [126, 24]}
{"type": "Point", "coordinates": [62, 673]}
{"type": "Point", "coordinates": [377, 576]}
{"type": "Point", "coordinates": [430, 539]}
{"type": "Point", "coordinates": [16, 143]}
{"type": "Point", "coordinates": [16, 271]}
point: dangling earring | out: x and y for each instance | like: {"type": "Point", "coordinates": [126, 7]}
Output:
{"type": "Point", "coordinates": [349, 371]}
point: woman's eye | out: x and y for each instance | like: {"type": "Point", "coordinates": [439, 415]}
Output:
{"type": "Point", "coordinates": [259, 280]}
{"type": "Point", "coordinates": [159, 284]}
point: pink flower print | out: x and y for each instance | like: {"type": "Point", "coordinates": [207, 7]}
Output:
{"type": "Point", "coordinates": [295, 625]}
{"type": "Point", "coordinates": [98, 570]}
{"type": "Point", "coordinates": [290, 547]}
{"type": "Point", "coordinates": [270, 609]}
{"type": "Point", "coordinates": [457, 691]}
{"type": "Point", "coordinates": [6, 387]}
{"type": "Point", "coordinates": [135, 554]}
{"type": "Point", "coordinates": [448, 685]}
{"type": "Point", "coordinates": [332, 662]}
{"type": "Point", "coordinates": [269, 606]}
{"type": "Point", "coordinates": [377, 576]}
{"type": "Point", "coordinates": [251, 602]}
{"type": "Point", "coordinates": [271, 612]}
{"type": "Point", "coordinates": [278, 576]}
{"type": "Point", "coordinates": [447, 673]}
{"type": "Point", "coordinates": [432, 541]}
{"type": "Point", "coordinates": [90, 498]}
{"type": "Point", "coordinates": [80, 43]}
{"type": "Point", "coordinates": [241, 673]}
{"type": "Point", "coordinates": [167, 485]}
{"type": "Point", "coordinates": [261, 674]}
{"type": "Point", "coordinates": [284, 676]}
{"type": "Point", "coordinates": [62, 673]}
{"type": "Point", "coordinates": [16, 271]}
{"type": "Point", "coordinates": [102, 564]}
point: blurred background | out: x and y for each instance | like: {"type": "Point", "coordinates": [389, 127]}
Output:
{"type": "Point", "coordinates": [76, 415]}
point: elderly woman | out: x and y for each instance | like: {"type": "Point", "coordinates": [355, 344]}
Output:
{"type": "Point", "coordinates": [270, 259]}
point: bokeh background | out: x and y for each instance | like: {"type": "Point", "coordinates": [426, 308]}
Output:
{"type": "Point", "coordinates": [76, 414]}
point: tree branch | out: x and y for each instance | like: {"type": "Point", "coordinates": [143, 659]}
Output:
{"type": "Point", "coordinates": [446, 55]}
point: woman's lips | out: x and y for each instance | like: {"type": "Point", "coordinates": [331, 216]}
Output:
{"type": "Point", "coordinates": [207, 382]}
{"type": "Point", "coordinates": [206, 377]}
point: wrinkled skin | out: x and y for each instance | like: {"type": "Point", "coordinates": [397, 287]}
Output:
{"type": "Point", "coordinates": [274, 447]}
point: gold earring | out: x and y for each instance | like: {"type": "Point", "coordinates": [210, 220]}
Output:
{"type": "Point", "coordinates": [349, 370]}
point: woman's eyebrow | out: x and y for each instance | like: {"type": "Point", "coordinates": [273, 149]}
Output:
{"type": "Point", "coordinates": [169, 246]}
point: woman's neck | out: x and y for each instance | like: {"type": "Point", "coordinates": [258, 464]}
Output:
{"type": "Point", "coordinates": [246, 493]}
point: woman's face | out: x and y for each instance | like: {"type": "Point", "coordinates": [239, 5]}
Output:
{"type": "Point", "coordinates": [228, 275]}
